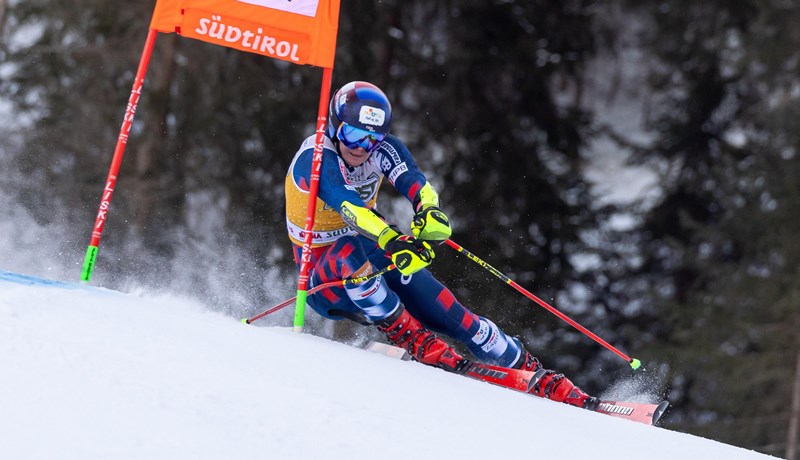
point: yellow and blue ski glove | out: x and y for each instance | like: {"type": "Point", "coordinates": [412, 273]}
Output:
{"type": "Point", "coordinates": [431, 224]}
{"type": "Point", "coordinates": [409, 254]}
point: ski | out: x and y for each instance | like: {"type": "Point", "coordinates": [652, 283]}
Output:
{"type": "Point", "coordinates": [645, 413]}
{"type": "Point", "coordinates": [520, 380]}
{"type": "Point", "coordinates": [523, 381]}
{"type": "Point", "coordinates": [515, 379]}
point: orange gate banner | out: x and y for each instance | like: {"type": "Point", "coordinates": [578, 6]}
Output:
{"type": "Point", "coordinates": [297, 31]}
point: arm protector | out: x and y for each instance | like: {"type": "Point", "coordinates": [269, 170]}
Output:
{"type": "Point", "coordinates": [368, 223]}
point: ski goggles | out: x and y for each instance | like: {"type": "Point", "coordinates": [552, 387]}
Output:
{"type": "Point", "coordinates": [353, 138]}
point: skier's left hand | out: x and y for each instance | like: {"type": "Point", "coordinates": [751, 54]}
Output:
{"type": "Point", "coordinates": [431, 224]}
{"type": "Point", "coordinates": [409, 254]}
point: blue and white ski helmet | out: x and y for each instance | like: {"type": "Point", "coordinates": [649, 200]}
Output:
{"type": "Point", "coordinates": [361, 105]}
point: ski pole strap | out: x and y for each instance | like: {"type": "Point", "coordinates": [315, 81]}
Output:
{"type": "Point", "coordinates": [634, 363]}
{"type": "Point", "coordinates": [315, 289]}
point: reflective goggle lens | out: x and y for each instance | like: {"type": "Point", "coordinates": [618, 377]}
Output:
{"type": "Point", "coordinates": [353, 137]}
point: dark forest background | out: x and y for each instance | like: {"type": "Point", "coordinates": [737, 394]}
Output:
{"type": "Point", "coordinates": [505, 105]}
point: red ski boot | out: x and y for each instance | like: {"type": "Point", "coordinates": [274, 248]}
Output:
{"type": "Point", "coordinates": [548, 384]}
{"type": "Point", "coordinates": [556, 387]}
{"type": "Point", "coordinates": [526, 361]}
{"type": "Point", "coordinates": [405, 331]}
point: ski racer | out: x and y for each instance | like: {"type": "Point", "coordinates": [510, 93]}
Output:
{"type": "Point", "coordinates": [352, 240]}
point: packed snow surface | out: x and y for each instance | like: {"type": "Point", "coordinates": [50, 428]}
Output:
{"type": "Point", "coordinates": [89, 373]}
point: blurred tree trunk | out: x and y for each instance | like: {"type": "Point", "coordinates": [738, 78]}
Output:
{"type": "Point", "coordinates": [3, 8]}
{"type": "Point", "coordinates": [794, 419]}
{"type": "Point", "coordinates": [151, 173]}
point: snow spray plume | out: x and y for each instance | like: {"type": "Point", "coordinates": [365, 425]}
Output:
{"type": "Point", "coordinates": [640, 387]}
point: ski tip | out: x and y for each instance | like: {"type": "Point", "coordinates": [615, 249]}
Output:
{"type": "Point", "coordinates": [659, 411]}
{"type": "Point", "coordinates": [388, 350]}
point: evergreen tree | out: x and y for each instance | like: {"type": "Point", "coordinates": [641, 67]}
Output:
{"type": "Point", "coordinates": [718, 247]}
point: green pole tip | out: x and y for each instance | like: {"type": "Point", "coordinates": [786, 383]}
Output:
{"type": "Point", "coordinates": [635, 364]}
{"type": "Point", "coordinates": [245, 321]}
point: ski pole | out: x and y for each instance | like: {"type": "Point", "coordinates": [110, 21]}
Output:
{"type": "Point", "coordinates": [633, 362]}
{"type": "Point", "coordinates": [322, 286]}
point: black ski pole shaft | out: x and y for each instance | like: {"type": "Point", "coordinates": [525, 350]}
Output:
{"type": "Point", "coordinates": [327, 285]}
{"type": "Point", "coordinates": [634, 363]}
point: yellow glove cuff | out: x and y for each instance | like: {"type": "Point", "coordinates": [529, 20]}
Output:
{"type": "Point", "coordinates": [427, 197]}
{"type": "Point", "coordinates": [387, 235]}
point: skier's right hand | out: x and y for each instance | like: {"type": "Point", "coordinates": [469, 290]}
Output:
{"type": "Point", "coordinates": [409, 254]}
{"type": "Point", "coordinates": [431, 224]}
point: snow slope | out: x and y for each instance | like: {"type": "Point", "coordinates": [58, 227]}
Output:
{"type": "Point", "coordinates": [88, 373]}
